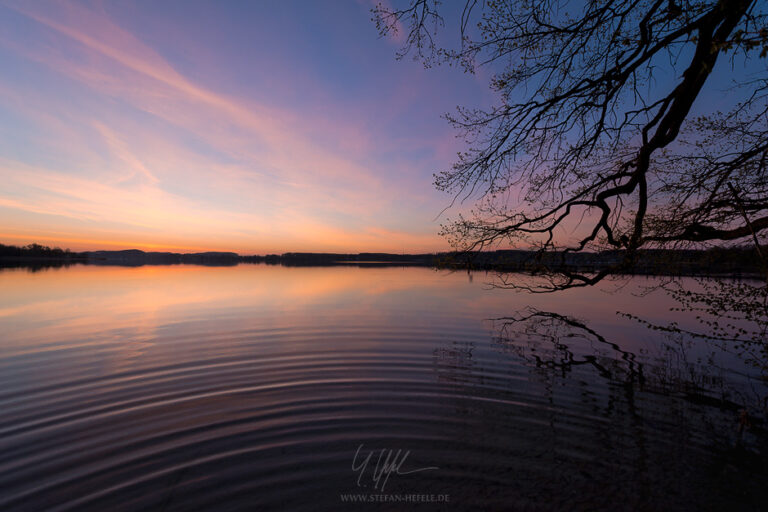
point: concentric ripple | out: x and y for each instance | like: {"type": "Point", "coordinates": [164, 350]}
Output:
{"type": "Point", "coordinates": [263, 388]}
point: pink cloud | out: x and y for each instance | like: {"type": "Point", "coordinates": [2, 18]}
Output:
{"type": "Point", "coordinates": [279, 188]}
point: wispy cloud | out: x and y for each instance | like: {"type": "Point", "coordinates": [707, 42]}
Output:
{"type": "Point", "coordinates": [135, 145]}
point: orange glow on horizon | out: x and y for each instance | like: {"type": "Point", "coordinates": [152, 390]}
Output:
{"type": "Point", "coordinates": [80, 244]}
{"type": "Point", "coordinates": [75, 244]}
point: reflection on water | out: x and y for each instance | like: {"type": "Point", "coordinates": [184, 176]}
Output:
{"type": "Point", "coordinates": [252, 388]}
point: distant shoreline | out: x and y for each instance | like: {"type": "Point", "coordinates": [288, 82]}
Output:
{"type": "Point", "coordinates": [710, 262]}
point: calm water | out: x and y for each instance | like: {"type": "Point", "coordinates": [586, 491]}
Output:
{"type": "Point", "coordinates": [254, 387]}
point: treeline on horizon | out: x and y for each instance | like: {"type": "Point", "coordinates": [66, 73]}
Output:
{"type": "Point", "coordinates": [717, 260]}
{"type": "Point", "coordinates": [37, 251]}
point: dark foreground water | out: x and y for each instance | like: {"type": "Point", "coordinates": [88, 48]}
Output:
{"type": "Point", "coordinates": [270, 388]}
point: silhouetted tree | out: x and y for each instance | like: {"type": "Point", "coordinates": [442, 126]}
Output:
{"type": "Point", "coordinates": [594, 123]}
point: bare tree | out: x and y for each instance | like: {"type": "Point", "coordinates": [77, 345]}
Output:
{"type": "Point", "coordinates": [594, 125]}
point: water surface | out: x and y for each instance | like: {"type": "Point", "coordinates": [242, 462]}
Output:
{"type": "Point", "coordinates": [256, 387]}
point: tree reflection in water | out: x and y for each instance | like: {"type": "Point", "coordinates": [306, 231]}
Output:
{"type": "Point", "coordinates": [559, 343]}
{"type": "Point", "coordinates": [730, 314]}
{"type": "Point", "coordinates": [660, 428]}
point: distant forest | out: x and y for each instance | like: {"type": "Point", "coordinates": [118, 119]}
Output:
{"type": "Point", "coordinates": [714, 261]}
{"type": "Point", "coordinates": [38, 251]}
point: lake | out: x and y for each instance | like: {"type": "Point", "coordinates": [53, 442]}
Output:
{"type": "Point", "coordinates": [259, 387]}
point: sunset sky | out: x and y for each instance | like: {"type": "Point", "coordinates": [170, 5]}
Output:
{"type": "Point", "coordinates": [256, 127]}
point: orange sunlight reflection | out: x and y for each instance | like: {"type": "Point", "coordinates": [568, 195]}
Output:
{"type": "Point", "coordinates": [82, 303]}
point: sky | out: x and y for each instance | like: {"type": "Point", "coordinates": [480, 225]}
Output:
{"type": "Point", "coordinates": [255, 127]}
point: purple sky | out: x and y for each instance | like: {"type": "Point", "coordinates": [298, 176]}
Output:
{"type": "Point", "coordinates": [248, 126]}
{"type": "Point", "coordinates": [257, 127]}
